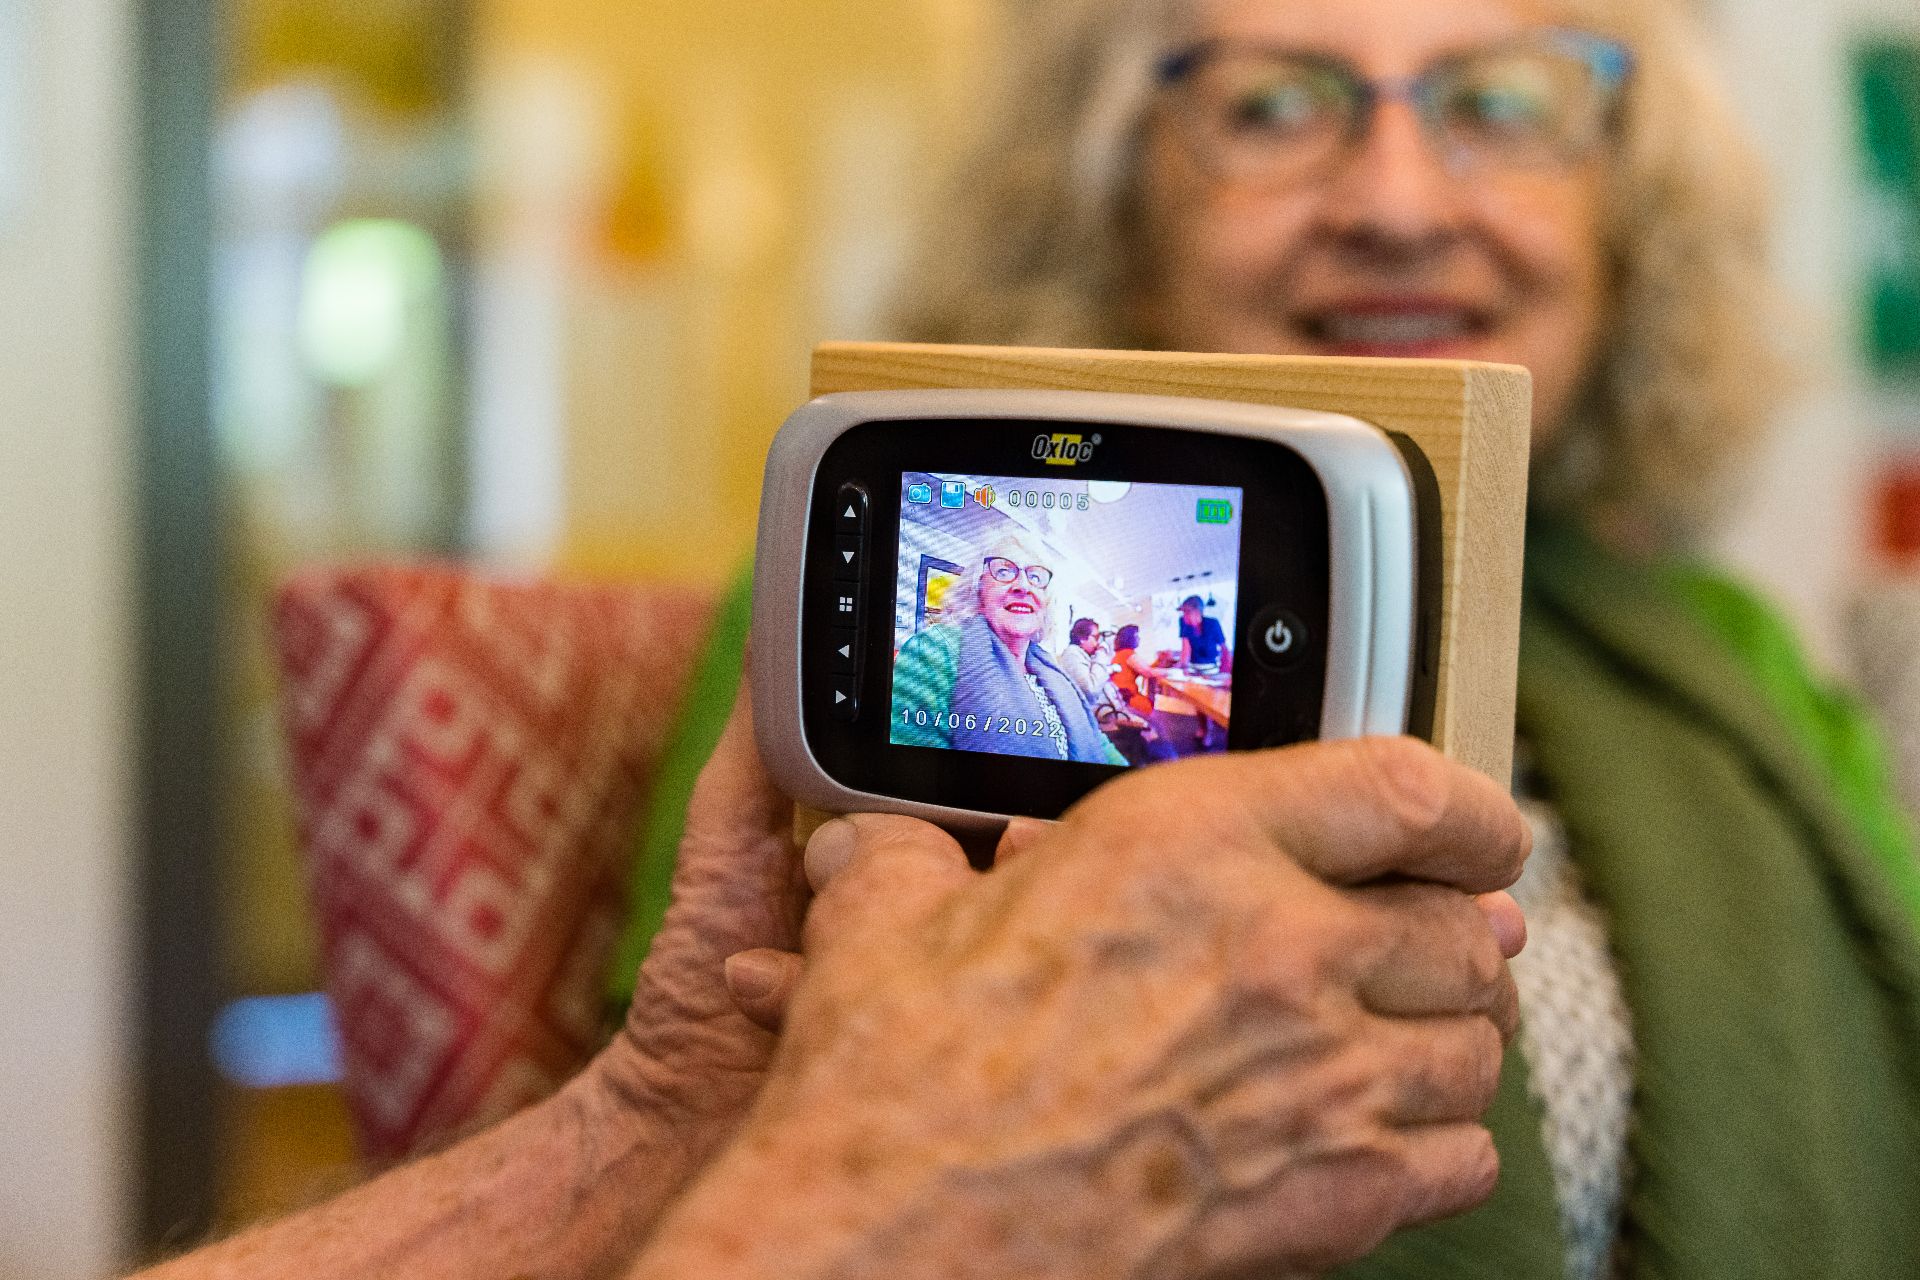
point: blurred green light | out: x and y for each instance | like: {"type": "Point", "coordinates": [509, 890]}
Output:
{"type": "Point", "coordinates": [362, 279]}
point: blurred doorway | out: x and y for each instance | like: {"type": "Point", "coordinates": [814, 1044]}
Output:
{"type": "Point", "coordinates": [521, 283]}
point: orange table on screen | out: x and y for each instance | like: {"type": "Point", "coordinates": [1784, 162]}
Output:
{"type": "Point", "coordinates": [1210, 700]}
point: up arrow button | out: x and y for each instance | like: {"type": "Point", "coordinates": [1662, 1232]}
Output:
{"type": "Point", "coordinates": [851, 509]}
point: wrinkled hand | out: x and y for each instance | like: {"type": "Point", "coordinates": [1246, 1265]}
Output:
{"type": "Point", "coordinates": [687, 1055]}
{"type": "Point", "coordinates": [1230, 1012]}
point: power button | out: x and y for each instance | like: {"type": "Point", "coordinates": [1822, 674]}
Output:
{"type": "Point", "coordinates": [1278, 637]}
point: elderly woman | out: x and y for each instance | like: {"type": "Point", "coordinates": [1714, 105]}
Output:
{"type": "Point", "coordinates": [1719, 1067]}
{"type": "Point", "coordinates": [982, 681]}
{"type": "Point", "coordinates": [1251, 1037]}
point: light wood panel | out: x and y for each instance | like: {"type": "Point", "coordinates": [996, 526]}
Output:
{"type": "Point", "coordinates": [1473, 421]}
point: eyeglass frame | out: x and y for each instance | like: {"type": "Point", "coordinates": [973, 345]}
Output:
{"type": "Point", "coordinates": [1611, 61]}
{"type": "Point", "coordinates": [1019, 571]}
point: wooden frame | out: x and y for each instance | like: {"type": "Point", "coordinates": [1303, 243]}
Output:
{"type": "Point", "coordinates": [1473, 422]}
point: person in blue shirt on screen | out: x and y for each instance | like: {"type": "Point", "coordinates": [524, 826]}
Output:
{"type": "Point", "coordinates": [1202, 642]}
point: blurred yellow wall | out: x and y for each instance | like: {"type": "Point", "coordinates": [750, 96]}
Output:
{"type": "Point", "coordinates": [746, 170]}
{"type": "Point", "coordinates": [651, 211]}
{"type": "Point", "coordinates": [658, 209]}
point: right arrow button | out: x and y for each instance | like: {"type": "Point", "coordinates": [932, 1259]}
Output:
{"type": "Point", "coordinates": [844, 698]}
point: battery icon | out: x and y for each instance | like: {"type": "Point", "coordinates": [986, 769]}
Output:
{"type": "Point", "coordinates": [1214, 511]}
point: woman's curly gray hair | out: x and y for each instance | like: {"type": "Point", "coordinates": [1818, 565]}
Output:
{"type": "Point", "coordinates": [1032, 247]}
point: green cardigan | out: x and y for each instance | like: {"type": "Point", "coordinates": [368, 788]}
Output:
{"type": "Point", "coordinates": [1766, 943]}
{"type": "Point", "coordinates": [1761, 897]}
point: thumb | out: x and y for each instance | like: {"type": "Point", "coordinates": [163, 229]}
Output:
{"type": "Point", "coordinates": [733, 790]}
{"type": "Point", "coordinates": [736, 878]}
{"type": "Point", "coordinates": [878, 875]}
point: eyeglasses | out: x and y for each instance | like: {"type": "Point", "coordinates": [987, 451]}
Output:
{"type": "Point", "coordinates": [1001, 569]}
{"type": "Point", "coordinates": [1269, 118]}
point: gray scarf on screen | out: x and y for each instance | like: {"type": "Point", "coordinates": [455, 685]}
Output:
{"type": "Point", "coordinates": [990, 685]}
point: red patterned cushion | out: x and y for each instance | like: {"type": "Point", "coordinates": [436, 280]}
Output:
{"type": "Point", "coordinates": [467, 757]}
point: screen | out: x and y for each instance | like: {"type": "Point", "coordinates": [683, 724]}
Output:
{"type": "Point", "coordinates": [1082, 620]}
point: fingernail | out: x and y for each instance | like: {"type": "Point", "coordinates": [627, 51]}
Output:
{"type": "Point", "coordinates": [753, 975]}
{"type": "Point", "coordinates": [829, 850]}
{"type": "Point", "coordinates": [1509, 923]}
{"type": "Point", "coordinates": [1021, 832]}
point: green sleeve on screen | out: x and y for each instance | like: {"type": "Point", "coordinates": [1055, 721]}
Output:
{"type": "Point", "coordinates": [710, 695]}
{"type": "Point", "coordinates": [923, 679]}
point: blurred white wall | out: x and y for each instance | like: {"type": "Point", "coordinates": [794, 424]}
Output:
{"type": "Point", "coordinates": [1801, 532]}
{"type": "Point", "coordinates": [66, 169]}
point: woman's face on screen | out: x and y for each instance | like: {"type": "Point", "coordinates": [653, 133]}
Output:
{"type": "Point", "coordinates": [1387, 247]}
{"type": "Point", "coordinates": [1012, 597]}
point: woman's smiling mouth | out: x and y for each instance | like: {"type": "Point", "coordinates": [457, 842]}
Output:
{"type": "Point", "coordinates": [1397, 327]}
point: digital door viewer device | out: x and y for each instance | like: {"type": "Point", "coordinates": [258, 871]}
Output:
{"type": "Point", "coordinates": [976, 604]}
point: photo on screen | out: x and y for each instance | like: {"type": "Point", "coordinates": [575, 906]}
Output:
{"type": "Point", "coordinates": [1088, 621]}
